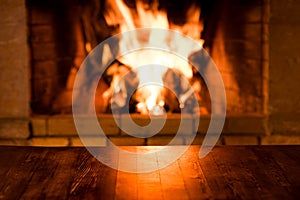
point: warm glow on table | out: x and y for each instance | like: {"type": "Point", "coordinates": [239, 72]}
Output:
{"type": "Point", "coordinates": [228, 172]}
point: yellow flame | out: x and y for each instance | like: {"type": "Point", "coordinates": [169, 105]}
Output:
{"type": "Point", "coordinates": [153, 18]}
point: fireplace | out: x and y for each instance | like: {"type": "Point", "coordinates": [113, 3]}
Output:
{"type": "Point", "coordinates": [61, 33]}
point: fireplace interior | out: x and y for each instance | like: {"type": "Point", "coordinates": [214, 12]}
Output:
{"type": "Point", "coordinates": [242, 37]}
{"type": "Point", "coordinates": [62, 33]}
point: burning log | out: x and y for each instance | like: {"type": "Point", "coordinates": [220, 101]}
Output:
{"type": "Point", "coordinates": [177, 94]}
{"type": "Point", "coordinates": [187, 91]}
{"type": "Point", "coordinates": [123, 81]}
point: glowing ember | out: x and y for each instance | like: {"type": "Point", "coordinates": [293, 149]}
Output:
{"type": "Point", "coordinates": [144, 15]}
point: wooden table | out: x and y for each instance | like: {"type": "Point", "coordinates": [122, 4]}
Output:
{"type": "Point", "coordinates": [228, 172]}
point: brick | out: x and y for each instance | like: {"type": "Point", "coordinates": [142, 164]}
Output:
{"type": "Point", "coordinates": [203, 124]}
{"type": "Point", "coordinates": [108, 124]}
{"type": "Point", "coordinates": [242, 31]}
{"type": "Point", "coordinates": [127, 141]}
{"type": "Point", "coordinates": [49, 141]}
{"type": "Point", "coordinates": [38, 16]}
{"type": "Point", "coordinates": [164, 140]}
{"type": "Point", "coordinates": [252, 31]}
{"type": "Point", "coordinates": [42, 33]}
{"type": "Point", "coordinates": [248, 11]}
{"type": "Point", "coordinates": [12, 11]}
{"type": "Point", "coordinates": [89, 141]}
{"type": "Point", "coordinates": [281, 140]}
{"type": "Point", "coordinates": [44, 69]}
{"type": "Point", "coordinates": [171, 125]}
{"type": "Point", "coordinates": [44, 51]}
{"type": "Point", "coordinates": [198, 140]}
{"type": "Point", "coordinates": [141, 121]}
{"type": "Point", "coordinates": [61, 126]}
{"type": "Point", "coordinates": [14, 128]}
{"type": "Point", "coordinates": [14, 142]}
{"type": "Point", "coordinates": [174, 121]}
{"type": "Point", "coordinates": [241, 140]}
{"type": "Point", "coordinates": [284, 123]}
{"type": "Point", "coordinates": [63, 102]}
{"type": "Point", "coordinates": [245, 124]}
{"type": "Point", "coordinates": [39, 126]}
{"type": "Point", "coordinates": [251, 50]}
{"type": "Point", "coordinates": [44, 88]}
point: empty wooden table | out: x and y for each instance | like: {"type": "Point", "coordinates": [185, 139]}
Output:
{"type": "Point", "coordinates": [228, 172]}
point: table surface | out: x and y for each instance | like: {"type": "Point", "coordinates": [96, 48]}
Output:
{"type": "Point", "coordinates": [228, 172]}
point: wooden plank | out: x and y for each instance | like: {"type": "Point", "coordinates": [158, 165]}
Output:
{"type": "Point", "coordinates": [149, 184]}
{"type": "Point", "coordinates": [240, 173]}
{"type": "Point", "coordinates": [10, 156]}
{"type": "Point", "coordinates": [172, 183]}
{"type": "Point", "coordinates": [193, 177]}
{"type": "Point", "coordinates": [52, 175]}
{"type": "Point", "coordinates": [19, 175]}
{"type": "Point", "coordinates": [126, 185]}
{"type": "Point", "coordinates": [283, 177]}
{"type": "Point", "coordinates": [216, 178]}
{"type": "Point", "coordinates": [288, 161]}
{"type": "Point", "coordinates": [252, 175]}
{"type": "Point", "coordinates": [92, 179]}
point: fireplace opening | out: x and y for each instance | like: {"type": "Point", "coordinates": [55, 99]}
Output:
{"type": "Point", "coordinates": [62, 33]}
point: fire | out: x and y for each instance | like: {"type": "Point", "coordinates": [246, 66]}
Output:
{"type": "Point", "coordinates": [147, 63]}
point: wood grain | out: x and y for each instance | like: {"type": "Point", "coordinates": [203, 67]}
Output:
{"type": "Point", "coordinates": [228, 172]}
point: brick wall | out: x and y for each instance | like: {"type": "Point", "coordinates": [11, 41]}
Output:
{"type": "Point", "coordinates": [234, 36]}
{"type": "Point", "coordinates": [60, 130]}
{"type": "Point", "coordinates": [14, 70]}
{"type": "Point", "coordinates": [56, 45]}
{"type": "Point", "coordinates": [284, 93]}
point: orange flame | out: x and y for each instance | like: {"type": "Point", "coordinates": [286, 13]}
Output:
{"type": "Point", "coordinates": [145, 17]}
